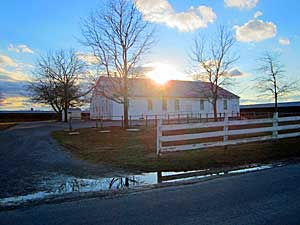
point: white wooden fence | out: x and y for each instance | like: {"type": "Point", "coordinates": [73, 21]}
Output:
{"type": "Point", "coordinates": [225, 132]}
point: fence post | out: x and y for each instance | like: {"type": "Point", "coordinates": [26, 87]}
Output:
{"type": "Point", "coordinates": [225, 127]}
{"type": "Point", "coordinates": [275, 126]}
{"type": "Point", "coordinates": [158, 134]}
{"type": "Point", "coordinates": [122, 122]}
{"type": "Point", "coordinates": [155, 120]}
{"type": "Point", "coordinates": [146, 120]}
{"type": "Point", "coordinates": [200, 117]}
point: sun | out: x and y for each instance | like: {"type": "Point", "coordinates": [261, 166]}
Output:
{"type": "Point", "coordinates": [163, 72]}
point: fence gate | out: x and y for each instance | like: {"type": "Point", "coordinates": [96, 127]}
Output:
{"type": "Point", "coordinates": [229, 132]}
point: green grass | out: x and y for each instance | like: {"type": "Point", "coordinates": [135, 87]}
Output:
{"type": "Point", "coordinates": [136, 150]}
{"type": "Point", "coordinates": [6, 125]}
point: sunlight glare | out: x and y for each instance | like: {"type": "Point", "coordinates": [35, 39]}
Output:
{"type": "Point", "coordinates": [163, 72]}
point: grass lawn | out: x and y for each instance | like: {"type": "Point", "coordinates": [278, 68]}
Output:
{"type": "Point", "coordinates": [6, 125]}
{"type": "Point", "coordinates": [136, 150]}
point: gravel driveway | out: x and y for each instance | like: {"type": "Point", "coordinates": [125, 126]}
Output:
{"type": "Point", "coordinates": [30, 157]}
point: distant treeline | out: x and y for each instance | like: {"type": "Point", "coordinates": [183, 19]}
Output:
{"type": "Point", "coordinates": [15, 116]}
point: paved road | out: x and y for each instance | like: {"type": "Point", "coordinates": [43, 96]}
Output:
{"type": "Point", "coordinates": [29, 157]}
{"type": "Point", "coordinates": [265, 197]}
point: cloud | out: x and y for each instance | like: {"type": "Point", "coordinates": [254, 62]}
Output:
{"type": "Point", "coordinates": [142, 70]}
{"type": "Point", "coordinates": [20, 48]}
{"type": "Point", "coordinates": [255, 31]}
{"type": "Point", "coordinates": [284, 41]}
{"type": "Point", "coordinates": [13, 75]}
{"type": "Point", "coordinates": [161, 11]}
{"type": "Point", "coordinates": [7, 61]}
{"type": "Point", "coordinates": [237, 73]}
{"type": "Point", "coordinates": [9, 88]}
{"type": "Point", "coordinates": [18, 103]}
{"type": "Point", "coordinates": [241, 4]}
{"type": "Point", "coordinates": [11, 70]}
{"type": "Point", "coordinates": [258, 14]}
{"type": "Point", "coordinates": [88, 58]}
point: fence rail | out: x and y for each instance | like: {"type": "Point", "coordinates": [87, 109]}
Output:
{"type": "Point", "coordinates": [226, 129]}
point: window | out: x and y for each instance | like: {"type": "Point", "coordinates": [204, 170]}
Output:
{"type": "Point", "coordinates": [106, 105]}
{"type": "Point", "coordinates": [164, 104]}
{"type": "Point", "coordinates": [176, 104]}
{"type": "Point", "coordinates": [150, 105]}
{"type": "Point", "coordinates": [201, 104]}
{"type": "Point", "coordinates": [225, 105]}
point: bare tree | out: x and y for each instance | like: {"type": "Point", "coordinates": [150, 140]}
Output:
{"type": "Point", "coordinates": [118, 37]}
{"type": "Point", "coordinates": [214, 60]}
{"type": "Point", "coordinates": [58, 81]}
{"type": "Point", "coordinates": [272, 82]}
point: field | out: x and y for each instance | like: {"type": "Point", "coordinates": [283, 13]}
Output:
{"type": "Point", "coordinates": [137, 151]}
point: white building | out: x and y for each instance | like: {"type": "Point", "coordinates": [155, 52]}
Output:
{"type": "Point", "coordinates": [146, 97]}
{"type": "Point", "coordinates": [74, 113]}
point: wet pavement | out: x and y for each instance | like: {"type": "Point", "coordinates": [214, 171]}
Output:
{"type": "Point", "coordinates": [270, 196]}
{"type": "Point", "coordinates": [56, 185]}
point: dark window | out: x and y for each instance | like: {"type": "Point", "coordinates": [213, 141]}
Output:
{"type": "Point", "coordinates": [201, 104]}
{"type": "Point", "coordinates": [225, 105]}
{"type": "Point", "coordinates": [150, 105]}
{"type": "Point", "coordinates": [176, 104]}
{"type": "Point", "coordinates": [164, 104]}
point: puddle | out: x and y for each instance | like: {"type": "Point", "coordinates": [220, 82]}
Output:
{"type": "Point", "coordinates": [62, 184]}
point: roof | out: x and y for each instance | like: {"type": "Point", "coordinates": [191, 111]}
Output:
{"type": "Point", "coordinates": [271, 105]}
{"type": "Point", "coordinates": [142, 87]}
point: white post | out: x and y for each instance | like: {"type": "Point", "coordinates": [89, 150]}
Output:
{"type": "Point", "coordinates": [158, 134]}
{"type": "Point", "coordinates": [275, 126]}
{"type": "Point", "coordinates": [226, 127]}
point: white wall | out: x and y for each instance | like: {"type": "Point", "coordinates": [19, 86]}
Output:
{"type": "Point", "coordinates": [101, 107]}
{"type": "Point", "coordinates": [139, 107]}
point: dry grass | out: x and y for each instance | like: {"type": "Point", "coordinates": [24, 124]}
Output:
{"type": "Point", "coordinates": [136, 150]}
{"type": "Point", "coordinates": [6, 125]}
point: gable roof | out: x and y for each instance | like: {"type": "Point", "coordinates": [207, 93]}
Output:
{"type": "Point", "coordinates": [142, 87]}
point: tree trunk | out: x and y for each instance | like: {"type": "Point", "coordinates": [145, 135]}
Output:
{"type": "Point", "coordinates": [276, 103]}
{"type": "Point", "coordinates": [126, 125]}
{"type": "Point", "coordinates": [59, 114]}
{"type": "Point", "coordinates": [215, 109]}
{"type": "Point", "coordinates": [66, 115]}
{"type": "Point", "coordinates": [125, 78]}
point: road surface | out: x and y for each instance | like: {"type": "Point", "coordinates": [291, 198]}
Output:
{"type": "Point", "coordinates": [265, 197]}
{"type": "Point", "coordinates": [29, 157]}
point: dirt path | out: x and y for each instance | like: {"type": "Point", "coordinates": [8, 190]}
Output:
{"type": "Point", "coordinates": [29, 157]}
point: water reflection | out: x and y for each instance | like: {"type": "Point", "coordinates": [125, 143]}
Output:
{"type": "Point", "coordinates": [58, 185]}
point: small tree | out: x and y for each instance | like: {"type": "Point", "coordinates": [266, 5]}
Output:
{"type": "Point", "coordinates": [214, 60]}
{"type": "Point", "coordinates": [272, 82]}
{"type": "Point", "coordinates": [57, 82]}
{"type": "Point", "coordinates": [118, 37]}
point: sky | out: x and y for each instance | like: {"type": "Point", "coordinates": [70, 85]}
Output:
{"type": "Point", "coordinates": [33, 27]}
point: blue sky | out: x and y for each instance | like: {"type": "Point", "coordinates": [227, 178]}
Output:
{"type": "Point", "coordinates": [32, 27]}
